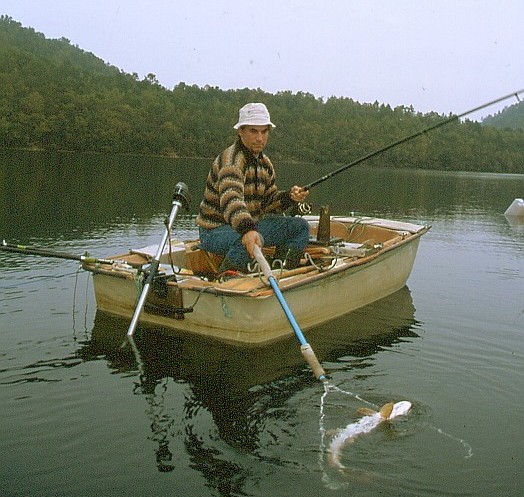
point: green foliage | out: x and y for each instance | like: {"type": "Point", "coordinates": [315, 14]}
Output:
{"type": "Point", "coordinates": [55, 96]}
{"type": "Point", "coordinates": [510, 117]}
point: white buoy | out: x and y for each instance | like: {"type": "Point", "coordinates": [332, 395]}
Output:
{"type": "Point", "coordinates": [516, 208]}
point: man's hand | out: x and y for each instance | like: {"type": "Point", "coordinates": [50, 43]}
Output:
{"type": "Point", "coordinates": [298, 194]}
{"type": "Point", "coordinates": [250, 239]}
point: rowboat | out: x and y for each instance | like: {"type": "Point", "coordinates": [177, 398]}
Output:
{"type": "Point", "coordinates": [351, 262]}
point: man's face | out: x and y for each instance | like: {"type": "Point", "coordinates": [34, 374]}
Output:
{"type": "Point", "coordinates": [254, 138]}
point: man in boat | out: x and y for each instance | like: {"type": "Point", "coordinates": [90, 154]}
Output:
{"type": "Point", "coordinates": [242, 206]}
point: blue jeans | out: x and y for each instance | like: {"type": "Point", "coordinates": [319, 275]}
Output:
{"type": "Point", "coordinates": [284, 232]}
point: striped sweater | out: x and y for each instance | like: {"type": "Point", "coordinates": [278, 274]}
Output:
{"type": "Point", "coordinates": [240, 190]}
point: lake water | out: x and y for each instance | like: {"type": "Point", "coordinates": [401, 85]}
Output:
{"type": "Point", "coordinates": [79, 417]}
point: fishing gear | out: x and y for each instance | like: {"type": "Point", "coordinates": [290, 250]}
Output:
{"type": "Point", "coordinates": [31, 250]}
{"type": "Point", "coordinates": [408, 138]}
{"type": "Point", "coordinates": [180, 199]}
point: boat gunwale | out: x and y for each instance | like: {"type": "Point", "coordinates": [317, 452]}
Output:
{"type": "Point", "coordinates": [344, 265]}
{"type": "Point", "coordinates": [219, 327]}
{"type": "Point", "coordinates": [285, 282]}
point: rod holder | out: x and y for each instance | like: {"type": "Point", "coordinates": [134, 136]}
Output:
{"type": "Point", "coordinates": [181, 195]}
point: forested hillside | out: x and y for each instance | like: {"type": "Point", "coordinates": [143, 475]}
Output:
{"type": "Point", "coordinates": [56, 96]}
{"type": "Point", "coordinates": [509, 117]}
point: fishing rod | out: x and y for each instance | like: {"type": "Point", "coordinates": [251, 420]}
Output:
{"type": "Point", "coordinates": [408, 138]}
{"type": "Point", "coordinates": [31, 250]}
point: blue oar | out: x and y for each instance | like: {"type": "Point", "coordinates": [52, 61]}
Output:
{"type": "Point", "coordinates": [180, 198]}
{"type": "Point", "coordinates": [305, 348]}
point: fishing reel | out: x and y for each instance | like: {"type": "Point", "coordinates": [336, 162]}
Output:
{"type": "Point", "coordinates": [300, 209]}
{"type": "Point", "coordinates": [304, 208]}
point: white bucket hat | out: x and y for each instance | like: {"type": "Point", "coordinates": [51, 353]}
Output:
{"type": "Point", "coordinates": [253, 114]}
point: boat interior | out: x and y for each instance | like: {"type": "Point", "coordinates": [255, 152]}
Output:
{"type": "Point", "coordinates": [334, 242]}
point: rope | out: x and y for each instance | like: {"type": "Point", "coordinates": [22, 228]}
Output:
{"type": "Point", "coordinates": [357, 223]}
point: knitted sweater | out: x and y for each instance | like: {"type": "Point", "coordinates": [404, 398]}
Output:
{"type": "Point", "coordinates": [240, 190]}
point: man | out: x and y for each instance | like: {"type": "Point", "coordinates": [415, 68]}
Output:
{"type": "Point", "coordinates": [242, 205]}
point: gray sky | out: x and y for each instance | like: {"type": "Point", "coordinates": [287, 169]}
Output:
{"type": "Point", "coordinates": [436, 55]}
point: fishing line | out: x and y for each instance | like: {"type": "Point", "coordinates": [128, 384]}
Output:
{"type": "Point", "coordinates": [322, 447]}
{"type": "Point", "coordinates": [74, 301]}
{"type": "Point", "coordinates": [328, 387]}
{"type": "Point", "coordinates": [86, 302]}
{"type": "Point", "coordinates": [329, 475]}
{"type": "Point", "coordinates": [467, 447]}
{"type": "Point", "coordinates": [335, 474]}
{"type": "Point", "coordinates": [86, 305]}
{"type": "Point", "coordinates": [74, 298]}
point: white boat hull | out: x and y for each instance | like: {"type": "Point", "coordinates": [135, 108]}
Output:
{"type": "Point", "coordinates": [256, 317]}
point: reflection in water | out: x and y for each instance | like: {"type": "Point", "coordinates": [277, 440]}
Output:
{"type": "Point", "coordinates": [240, 388]}
{"type": "Point", "coordinates": [219, 406]}
{"type": "Point", "coordinates": [58, 194]}
{"type": "Point", "coordinates": [64, 195]}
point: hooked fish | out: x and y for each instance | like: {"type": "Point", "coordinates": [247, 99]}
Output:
{"type": "Point", "coordinates": [367, 423]}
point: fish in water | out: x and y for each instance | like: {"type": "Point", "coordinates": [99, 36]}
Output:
{"type": "Point", "coordinates": [367, 423]}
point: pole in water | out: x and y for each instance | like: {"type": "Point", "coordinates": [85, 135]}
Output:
{"type": "Point", "coordinates": [180, 198]}
{"type": "Point", "coordinates": [305, 348]}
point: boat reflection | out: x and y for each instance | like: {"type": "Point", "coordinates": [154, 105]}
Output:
{"type": "Point", "coordinates": [195, 359]}
{"type": "Point", "coordinates": [238, 386]}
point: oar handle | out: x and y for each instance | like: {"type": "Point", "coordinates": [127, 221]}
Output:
{"type": "Point", "coordinates": [262, 262]}
{"type": "Point", "coordinates": [314, 364]}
